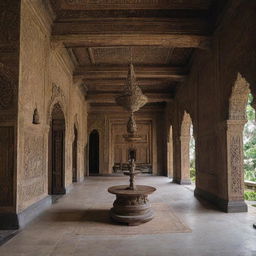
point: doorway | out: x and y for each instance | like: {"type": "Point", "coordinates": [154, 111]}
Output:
{"type": "Point", "coordinates": [94, 153]}
{"type": "Point", "coordinates": [57, 152]}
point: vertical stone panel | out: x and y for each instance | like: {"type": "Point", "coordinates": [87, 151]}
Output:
{"type": "Point", "coordinates": [6, 166]}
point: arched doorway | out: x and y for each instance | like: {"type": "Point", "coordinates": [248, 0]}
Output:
{"type": "Point", "coordinates": [57, 152]}
{"type": "Point", "coordinates": [74, 156]}
{"type": "Point", "coordinates": [94, 153]}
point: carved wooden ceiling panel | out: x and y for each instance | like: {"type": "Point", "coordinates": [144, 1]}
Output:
{"type": "Point", "coordinates": [161, 36]}
{"type": "Point", "coordinates": [138, 55]}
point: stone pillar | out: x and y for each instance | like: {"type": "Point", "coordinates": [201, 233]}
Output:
{"type": "Point", "coordinates": [185, 172]}
{"type": "Point", "coordinates": [181, 173]}
{"type": "Point", "coordinates": [235, 173]}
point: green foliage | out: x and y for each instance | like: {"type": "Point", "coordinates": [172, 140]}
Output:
{"type": "Point", "coordinates": [250, 143]}
{"type": "Point", "coordinates": [193, 174]}
{"type": "Point", "coordinates": [192, 156]}
{"type": "Point", "coordinates": [250, 195]}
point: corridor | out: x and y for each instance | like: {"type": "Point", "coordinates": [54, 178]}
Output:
{"type": "Point", "coordinates": [65, 230]}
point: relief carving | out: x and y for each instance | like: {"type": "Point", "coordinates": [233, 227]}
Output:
{"type": "Point", "coordinates": [57, 97]}
{"type": "Point", "coordinates": [33, 156]}
{"type": "Point", "coordinates": [236, 164]}
{"type": "Point", "coordinates": [7, 88]}
{"type": "Point", "coordinates": [31, 191]}
{"type": "Point", "coordinates": [9, 20]}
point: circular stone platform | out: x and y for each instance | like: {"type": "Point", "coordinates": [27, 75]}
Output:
{"type": "Point", "coordinates": [131, 206]}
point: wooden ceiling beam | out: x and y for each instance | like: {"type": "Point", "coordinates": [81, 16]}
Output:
{"type": "Point", "coordinates": [110, 97]}
{"type": "Point", "coordinates": [194, 25]}
{"type": "Point", "coordinates": [124, 39]}
{"type": "Point", "coordinates": [120, 72]}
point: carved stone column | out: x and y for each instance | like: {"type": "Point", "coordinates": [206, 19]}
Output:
{"type": "Point", "coordinates": [235, 172]}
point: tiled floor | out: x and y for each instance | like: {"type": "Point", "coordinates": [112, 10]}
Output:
{"type": "Point", "coordinates": [213, 232]}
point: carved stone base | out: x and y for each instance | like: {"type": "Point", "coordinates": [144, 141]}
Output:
{"type": "Point", "coordinates": [131, 206]}
{"type": "Point", "coordinates": [223, 204]}
{"type": "Point", "coordinates": [182, 181]}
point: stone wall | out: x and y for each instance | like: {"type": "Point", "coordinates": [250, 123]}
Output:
{"type": "Point", "coordinates": [45, 79]}
{"type": "Point", "coordinates": [9, 76]}
{"type": "Point", "coordinates": [206, 97]}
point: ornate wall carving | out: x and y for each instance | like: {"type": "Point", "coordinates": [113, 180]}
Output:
{"type": "Point", "coordinates": [56, 97]}
{"type": "Point", "coordinates": [7, 88]}
{"type": "Point", "coordinates": [9, 20]}
{"type": "Point", "coordinates": [34, 156]}
{"type": "Point", "coordinates": [143, 148]}
{"type": "Point", "coordinates": [236, 165]}
{"type": "Point", "coordinates": [31, 191]}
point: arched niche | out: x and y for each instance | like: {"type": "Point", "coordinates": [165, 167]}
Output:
{"type": "Point", "coordinates": [94, 140]}
{"type": "Point", "coordinates": [57, 151]}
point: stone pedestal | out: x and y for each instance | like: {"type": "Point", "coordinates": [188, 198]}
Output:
{"type": "Point", "coordinates": [131, 206]}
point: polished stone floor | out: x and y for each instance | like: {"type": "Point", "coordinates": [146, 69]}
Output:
{"type": "Point", "coordinates": [213, 233]}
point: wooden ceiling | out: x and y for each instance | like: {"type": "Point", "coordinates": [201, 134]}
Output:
{"type": "Point", "coordinates": [158, 36]}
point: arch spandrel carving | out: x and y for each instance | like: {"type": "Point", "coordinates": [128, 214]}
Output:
{"type": "Point", "coordinates": [238, 99]}
{"type": "Point", "coordinates": [57, 97]}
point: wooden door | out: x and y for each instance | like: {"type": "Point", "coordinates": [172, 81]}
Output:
{"type": "Point", "coordinates": [94, 153]}
{"type": "Point", "coordinates": [58, 156]}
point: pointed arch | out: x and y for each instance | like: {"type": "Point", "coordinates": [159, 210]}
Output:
{"type": "Point", "coordinates": [56, 150]}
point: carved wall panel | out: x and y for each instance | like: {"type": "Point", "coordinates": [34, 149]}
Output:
{"type": "Point", "coordinates": [34, 162]}
{"type": "Point", "coordinates": [6, 166]}
{"type": "Point", "coordinates": [31, 191]}
{"type": "Point", "coordinates": [9, 20]}
{"type": "Point", "coordinates": [236, 165]}
{"type": "Point", "coordinates": [7, 93]}
{"type": "Point", "coordinates": [121, 148]}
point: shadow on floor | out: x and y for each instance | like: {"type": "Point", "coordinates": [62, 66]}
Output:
{"type": "Point", "coordinates": [87, 215]}
{"type": "Point", "coordinates": [6, 235]}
